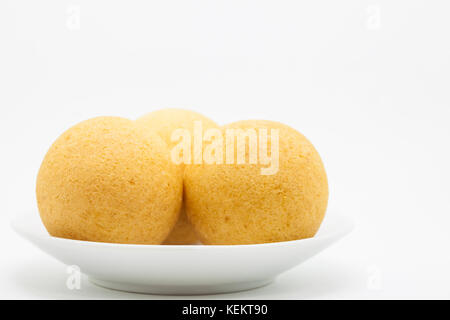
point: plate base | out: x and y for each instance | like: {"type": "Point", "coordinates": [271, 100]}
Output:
{"type": "Point", "coordinates": [180, 290]}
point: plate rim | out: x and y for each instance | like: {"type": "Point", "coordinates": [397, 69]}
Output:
{"type": "Point", "coordinates": [349, 225]}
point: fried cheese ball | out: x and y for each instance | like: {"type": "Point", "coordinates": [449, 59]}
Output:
{"type": "Point", "coordinates": [238, 204]}
{"type": "Point", "coordinates": [165, 122]}
{"type": "Point", "coordinates": [109, 179]}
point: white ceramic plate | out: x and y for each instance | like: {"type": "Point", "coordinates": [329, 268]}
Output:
{"type": "Point", "coordinates": [196, 269]}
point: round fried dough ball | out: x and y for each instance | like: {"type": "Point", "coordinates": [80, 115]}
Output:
{"type": "Point", "coordinates": [243, 204]}
{"type": "Point", "coordinates": [109, 179]}
{"type": "Point", "coordinates": [165, 122]}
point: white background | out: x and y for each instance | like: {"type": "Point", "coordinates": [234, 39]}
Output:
{"type": "Point", "coordinates": [367, 81]}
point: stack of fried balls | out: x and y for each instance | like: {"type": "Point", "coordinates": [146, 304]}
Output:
{"type": "Point", "coordinates": [111, 179]}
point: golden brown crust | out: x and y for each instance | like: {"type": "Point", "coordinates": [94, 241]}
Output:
{"type": "Point", "coordinates": [164, 122]}
{"type": "Point", "coordinates": [109, 179]}
{"type": "Point", "coordinates": [235, 204]}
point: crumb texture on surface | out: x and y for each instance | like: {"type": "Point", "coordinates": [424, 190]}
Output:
{"type": "Point", "coordinates": [235, 204]}
{"type": "Point", "coordinates": [109, 179]}
{"type": "Point", "coordinates": [164, 122]}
